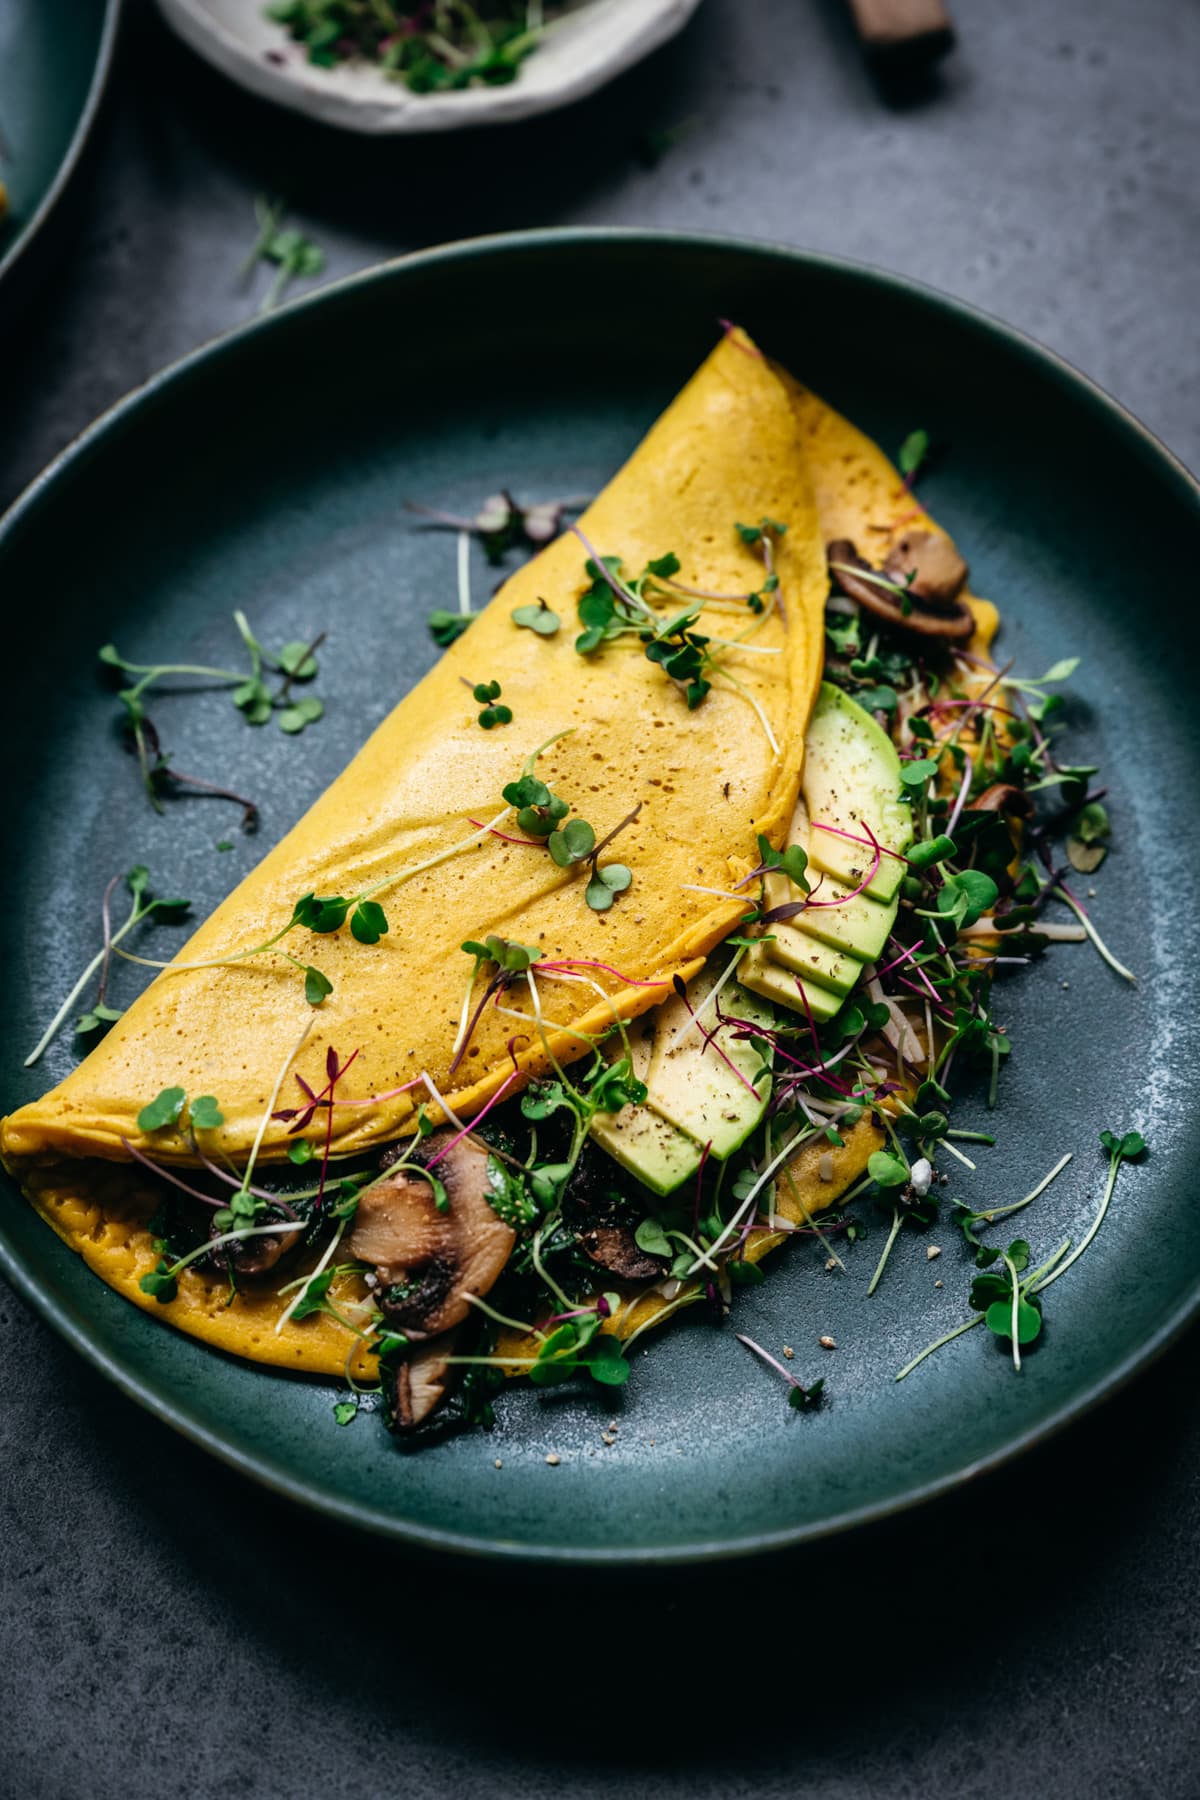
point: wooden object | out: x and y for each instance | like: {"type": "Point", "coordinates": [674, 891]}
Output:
{"type": "Point", "coordinates": [908, 32]}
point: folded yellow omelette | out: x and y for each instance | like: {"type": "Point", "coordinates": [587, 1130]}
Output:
{"type": "Point", "coordinates": [742, 442]}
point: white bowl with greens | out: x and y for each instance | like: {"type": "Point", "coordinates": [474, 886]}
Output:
{"type": "Point", "coordinates": [336, 61]}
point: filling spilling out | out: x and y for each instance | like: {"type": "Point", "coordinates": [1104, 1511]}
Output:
{"type": "Point", "coordinates": [607, 1143]}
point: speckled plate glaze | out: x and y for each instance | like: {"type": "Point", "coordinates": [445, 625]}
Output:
{"type": "Point", "coordinates": [54, 61]}
{"type": "Point", "coordinates": [268, 471]}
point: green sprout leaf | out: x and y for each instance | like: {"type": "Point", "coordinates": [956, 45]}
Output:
{"type": "Point", "coordinates": [317, 987]}
{"type": "Point", "coordinates": [446, 627]}
{"type": "Point", "coordinates": [888, 1170]}
{"type": "Point", "coordinates": [539, 618]}
{"type": "Point", "coordinates": [345, 1411]}
{"type": "Point", "coordinates": [912, 454]}
{"type": "Point", "coordinates": [300, 1152]}
{"type": "Point", "coordinates": [651, 1238]}
{"type": "Point", "coordinates": [571, 843]}
{"type": "Point", "coordinates": [205, 1114]}
{"type": "Point", "coordinates": [162, 1111]}
{"type": "Point", "coordinates": [160, 1282]}
{"type": "Point", "coordinates": [294, 718]}
{"type": "Point", "coordinates": [368, 922]}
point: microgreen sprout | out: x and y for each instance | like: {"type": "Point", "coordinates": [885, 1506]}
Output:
{"type": "Point", "coordinates": [249, 691]}
{"type": "Point", "coordinates": [145, 905]}
{"type": "Point", "coordinates": [802, 1398]}
{"type": "Point", "coordinates": [427, 49]}
{"type": "Point", "coordinates": [293, 254]}
{"type": "Point", "coordinates": [486, 694]}
{"type": "Point", "coordinates": [912, 455]}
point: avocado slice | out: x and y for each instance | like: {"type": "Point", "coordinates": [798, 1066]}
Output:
{"type": "Point", "coordinates": [691, 1085]}
{"type": "Point", "coordinates": [771, 981]}
{"type": "Point", "coordinates": [802, 953]}
{"type": "Point", "coordinates": [851, 783]}
{"type": "Point", "coordinates": [851, 779]}
{"type": "Point", "coordinates": [645, 1144]}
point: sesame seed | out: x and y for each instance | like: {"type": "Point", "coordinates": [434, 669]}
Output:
{"type": "Point", "coordinates": [607, 1437]}
{"type": "Point", "coordinates": [788, 1352]}
{"type": "Point", "coordinates": [553, 1460]}
{"type": "Point", "coordinates": [938, 1284]}
{"type": "Point", "coordinates": [827, 1343]}
{"type": "Point", "coordinates": [933, 1251]}
{"type": "Point", "coordinates": [831, 1264]}
{"type": "Point", "coordinates": [497, 1464]}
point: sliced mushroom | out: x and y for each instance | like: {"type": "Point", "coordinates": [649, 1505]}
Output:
{"type": "Point", "coordinates": [605, 1221]}
{"type": "Point", "coordinates": [426, 1261]}
{"type": "Point", "coordinates": [938, 573]}
{"type": "Point", "coordinates": [259, 1254]}
{"type": "Point", "coordinates": [1003, 797]}
{"type": "Point", "coordinates": [944, 620]}
{"type": "Point", "coordinates": [419, 1382]}
{"type": "Point", "coordinates": [616, 1249]}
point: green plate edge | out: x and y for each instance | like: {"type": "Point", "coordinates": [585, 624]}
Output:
{"type": "Point", "coordinates": [95, 38]}
{"type": "Point", "coordinates": [261, 1469]}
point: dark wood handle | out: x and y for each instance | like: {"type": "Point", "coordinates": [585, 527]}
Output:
{"type": "Point", "coordinates": [903, 30]}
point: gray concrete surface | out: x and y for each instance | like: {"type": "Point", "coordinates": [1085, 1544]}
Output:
{"type": "Point", "coordinates": [165, 1627]}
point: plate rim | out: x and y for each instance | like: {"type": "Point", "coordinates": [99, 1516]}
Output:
{"type": "Point", "coordinates": [173, 1411]}
{"type": "Point", "coordinates": [30, 233]}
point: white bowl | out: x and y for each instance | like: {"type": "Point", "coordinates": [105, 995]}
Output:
{"type": "Point", "coordinates": [580, 53]}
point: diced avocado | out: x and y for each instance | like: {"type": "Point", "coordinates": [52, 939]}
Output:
{"type": "Point", "coordinates": [851, 783]}
{"type": "Point", "coordinates": [757, 972]}
{"type": "Point", "coordinates": [802, 953]}
{"type": "Point", "coordinates": [691, 1084]}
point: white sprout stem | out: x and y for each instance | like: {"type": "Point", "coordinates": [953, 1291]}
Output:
{"type": "Point", "coordinates": [273, 1102]}
{"type": "Point", "coordinates": [464, 574]}
{"type": "Point", "coordinates": [304, 1286]}
{"type": "Point", "coordinates": [967, 1325]}
{"type": "Point", "coordinates": [438, 1100]}
{"type": "Point", "coordinates": [710, 999]}
{"type": "Point", "coordinates": [233, 956]}
{"type": "Point", "coordinates": [825, 1243]}
{"type": "Point", "coordinates": [881, 1265]}
{"type": "Point", "coordinates": [963, 792]}
{"type": "Point", "coordinates": [463, 1017]}
{"type": "Point", "coordinates": [277, 1227]}
{"type": "Point", "coordinates": [1090, 1233]}
{"type": "Point", "coordinates": [715, 1248]}
{"type": "Point", "coordinates": [510, 1012]}
{"type": "Point", "coordinates": [72, 998]}
{"type": "Point", "coordinates": [1107, 955]}
{"type": "Point", "coordinates": [1011, 1266]}
{"type": "Point", "coordinates": [992, 1213]}
{"type": "Point", "coordinates": [693, 887]}
{"type": "Point", "coordinates": [750, 699]}
{"type": "Point", "coordinates": [520, 1325]}
{"type": "Point", "coordinates": [751, 649]}
{"type": "Point", "coordinates": [946, 1145]}
{"type": "Point", "coordinates": [687, 1297]}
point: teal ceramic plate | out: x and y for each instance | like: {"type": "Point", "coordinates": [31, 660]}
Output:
{"type": "Point", "coordinates": [269, 472]}
{"type": "Point", "coordinates": [54, 61]}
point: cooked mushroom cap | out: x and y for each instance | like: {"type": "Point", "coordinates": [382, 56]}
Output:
{"type": "Point", "coordinates": [605, 1221]}
{"type": "Point", "coordinates": [616, 1249]}
{"type": "Point", "coordinates": [947, 618]}
{"type": "Point", "coordinates": [938, 572]}
{"type": "Point", "coordinates": [257, 1255]}
{"type": "Point", "coordinates": [427, 1260]}
{"type": "Point", "coordinates": [1003, 797]}
{"type": "Point", "coordinates": [420, 1380]}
